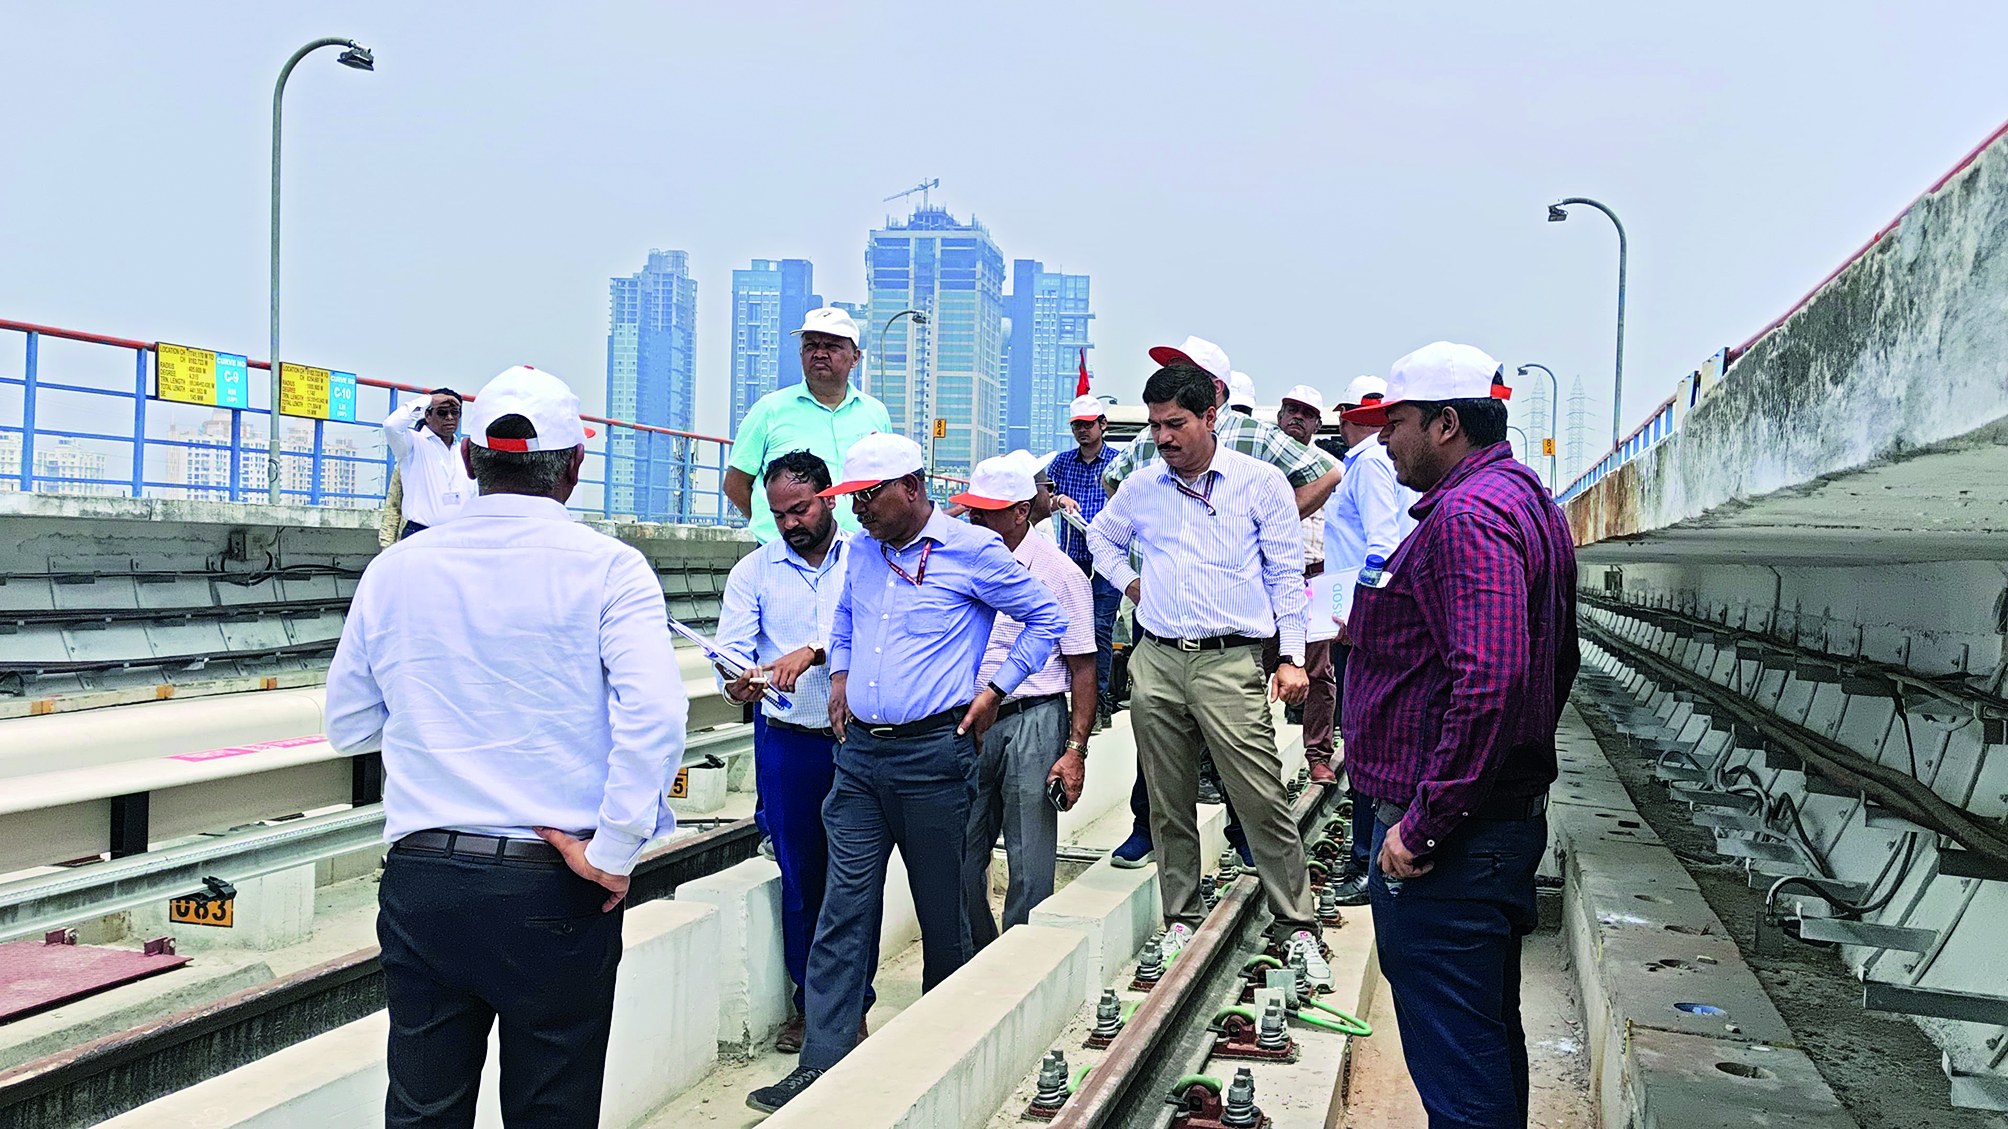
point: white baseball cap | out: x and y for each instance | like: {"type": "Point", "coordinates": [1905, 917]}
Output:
{"type": "Point", "coordinates": [540, 398]}
{"type": "Point", "coordinates": [830, 320]}
{"type": "Point", "coordinates": [1240, 391]}
{"type": "Point", "coordinates": [1441, 371]}
{"type": "Point", "coordinates": [1308, 396]}
{"type": "Point", "coordinates": [1197, 352]}
{"type": "Point", "coordinates": [879, 457]}
{"type": "Point", "coordinates": [1003, 481]}
{"type": "Point", "coordinates": [1365, 390]}
{"type": "Point", "coordinates": [1087, 407]}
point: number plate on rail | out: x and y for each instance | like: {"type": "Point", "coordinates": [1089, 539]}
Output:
{"type": "Point", "coordinates": [203, 911]}
{"type": "Point", "coordinates": [680, 789]}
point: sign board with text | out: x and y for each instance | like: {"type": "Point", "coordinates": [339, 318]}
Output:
{"type": "Point", "coordinates": [1548, 447]}
{"type": "Point", "coordinates": [941, 429]}
{"type": "Point", "coordinates": [187, 375]}
{"type": "Point", "coordinates": [317, 393]}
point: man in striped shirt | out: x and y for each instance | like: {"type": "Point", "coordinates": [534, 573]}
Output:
{"type": "Point", "coordinates": [1039, 737]}
{"type": "Point", "coordinates": [1464, 649]}
{"type": "Point", "coordinates": [1223, 570]}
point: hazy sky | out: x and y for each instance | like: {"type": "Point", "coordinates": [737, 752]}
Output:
{"type": "Point", "coordinates": [1318, 187]}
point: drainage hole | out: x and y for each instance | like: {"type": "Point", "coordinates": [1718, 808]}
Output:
{"type": "Point", "coordinates": [1699, 1009]}
{"type": "Point", "coordinates": [1744, 1070]}
{"type": "Point", "coordinates": [1656, 900]}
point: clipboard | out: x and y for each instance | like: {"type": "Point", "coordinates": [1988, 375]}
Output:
{"type": "Point", "coordinates": [729, 664]}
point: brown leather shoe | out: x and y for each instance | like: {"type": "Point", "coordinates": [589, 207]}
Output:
{"type": "Point", "coordinates": [864, 1032]}
{"type": "Point", "coordinates": [789, 1041]}
{"type": "Point", "coordinates": [1321, 773]}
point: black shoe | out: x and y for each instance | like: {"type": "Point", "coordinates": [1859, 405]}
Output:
{"type": "Point", "coordinates": [770, 1098]}
{"type": "Point", "coordinates": [1293, 715]}
{"type": "Point", "coordinates": [1352, 889]}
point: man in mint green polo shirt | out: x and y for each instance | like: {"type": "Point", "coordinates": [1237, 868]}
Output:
{"type": "Point", "coordinates": [823, 415]}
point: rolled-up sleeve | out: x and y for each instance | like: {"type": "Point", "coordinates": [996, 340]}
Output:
{"type": "Point", "coordinates": [646, 713]}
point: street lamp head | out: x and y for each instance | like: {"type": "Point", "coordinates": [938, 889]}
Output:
{"type": "Point", "coordinates": [919, 318]}
{"type": "Point", "coordinates": [1556, 214]}
{"type": "Point", "coordinates": [1521, 371]}
{"type": "Point", "coordinates": [357, 56]}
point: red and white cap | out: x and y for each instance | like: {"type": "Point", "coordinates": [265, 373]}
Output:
{"type": "Point", "coordinates": [1198, 352]}
{"type": "Point", "coordinates": [1364, 390]}
{"type": "Point", "coordinates": [879, 457]}
{"type": "Point", "coordinates": [1308, 396]}
{"type": "Point", "coordinates": [1441, 371]}
{"type": "Point", "coordinates": [1003, 481]}
{"type": "Point", "coordinates": [1087, 407]}
{"type": "Point", "coordinates": [542, 399]}
{"type": "Point", "coordinates": [830, 320]}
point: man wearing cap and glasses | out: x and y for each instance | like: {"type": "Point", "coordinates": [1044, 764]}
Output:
{"type": "Point", "coordinates": [1223, 571]}
{"type": "Point", "coordinates": [1476, 610]}
{"type": "Point", "coordinates": [920, 597]}
{"type": "Point", "coordinates": [1079, 490]}
{"type": "Point", "coordinates": [775, 619]}
{"type": "Point", "coordinates": [823, 415]}
{"type": "Point", "coordinates": [420, 436]}
{"type": "Point", "coordinates": [1367, 516]}
{"type": "Point", "coordinates": [516, 670]}
{"type": "Point", "coordinates": [1300, 415]}
{"type": "Point", "coordinates": [1040, 739]}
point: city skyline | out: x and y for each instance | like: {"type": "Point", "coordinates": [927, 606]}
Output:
{"type": "Point", "coordinates": [650, 379]}
{"type": "Point", "coordinates": [769, 300]}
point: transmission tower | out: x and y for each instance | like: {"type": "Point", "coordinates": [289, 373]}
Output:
{"type": "Point", "coordinates": [1575, 452]}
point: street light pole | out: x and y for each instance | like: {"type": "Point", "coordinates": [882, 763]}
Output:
{"type": "Point", "coordinates": [1554, 421]}
{"type": "Point", "coordinates": [1557, 215]}
{"type": "Point", "coordinates": [1525, 443]}
{"type": "Point", "coordinates": [358, 57]}
{"type": "Point", "coordinates": [919, 318]}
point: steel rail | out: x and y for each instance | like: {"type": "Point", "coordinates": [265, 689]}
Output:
{"type": "Point", "coordinates": [66, 616]}
{"type": "Point", "coordinates": [100, 1079]}
{"type": "Point", "coordinates": [1169, 1035]}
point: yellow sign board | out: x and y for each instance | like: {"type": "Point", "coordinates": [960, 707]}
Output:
{"type": "Point", "coordinates": [1548, 447]}
{"type": "Point", "coordinates": [220, 912]}
{"type": "Point", "coordinates": [941, 429]}
{"type": "Point", "coordinates": [317, 393]}
{"type": "Point", "coordinates": [188, 375]}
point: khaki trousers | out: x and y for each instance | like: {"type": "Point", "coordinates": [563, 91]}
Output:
{"type": "Point", "coordinates": [1221, 698]}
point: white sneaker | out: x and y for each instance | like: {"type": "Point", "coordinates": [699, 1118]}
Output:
{"type": "Point", "coordinates": [1175, 940]}
{"type": "Point", "coordinates": [1305, 956]}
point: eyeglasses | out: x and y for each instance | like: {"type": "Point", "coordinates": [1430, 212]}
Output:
{"type": "Point", "coordinates": [868, 493]}
{"type": "Point", "coordinates": [445, 410]}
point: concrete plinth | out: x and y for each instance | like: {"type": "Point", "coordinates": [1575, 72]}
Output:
{"type": "Point", "coordinates": [754, 988]}
{"type": "Point", "coordinates": [1116, 910]}
{"type": "Point", "coordinates": [271, 913]}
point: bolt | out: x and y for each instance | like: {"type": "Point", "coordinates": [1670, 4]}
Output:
{"type": "Point", "coordinates": [1108, 1015]}
{"type": "Point", "coordinates": [1328, 901]}
{"type": "Point", "coordinates": [1270, 1035]}
{"type": "Point", "coordinates": [1150, 965]}
{"type": "Point", "coordinates": [1052, 1092]}
{"type": "Point", "coordinates": [1240, 1111]}
{"type": "Point", "coordinates": [1230, 863]}
{"type": "Point", "coordinates": [1206, 891]}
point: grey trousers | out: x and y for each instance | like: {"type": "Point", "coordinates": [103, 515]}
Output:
{"type": "Point", "coordinates": [1017, 754]}
{"type": "Point", "coordinates": [1221, 698]}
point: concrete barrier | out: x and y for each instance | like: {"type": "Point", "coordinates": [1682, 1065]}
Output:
{"type": "Point", "coordinates": [753, 983]}
{"type": "Point", "coordinates": [950, 1060]}
{"type": "Point", "coordinates": [665, 1038]}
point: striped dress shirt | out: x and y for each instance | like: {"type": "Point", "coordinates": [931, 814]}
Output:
{"type": "Point", "coordinates": [1232, 564]}
{"type": "Point", "coordinates": [1069, 585]}
{"type": "Point", "coordinates": [775, 603]}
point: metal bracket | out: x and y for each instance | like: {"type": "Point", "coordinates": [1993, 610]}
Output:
{"type": "Point", "coordinates": [1969, 1007]}
{"type": "Point", "coordinates": [1756, 849]}
{"type": "Point", "coordinates": [1975, 1091]}
{"type": "Point", "coordinates": [1901, 938]}
{"type": "Point", "coordinates": [1956, 863]}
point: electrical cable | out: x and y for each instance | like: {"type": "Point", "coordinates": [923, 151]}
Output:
{"type": "Point", "coordinates": [1346, 1021]}
{"type": "Point", "coordinates": [1848, 908]}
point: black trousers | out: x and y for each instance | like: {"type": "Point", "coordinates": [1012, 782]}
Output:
{"type": "Point", "coordinates": [466, 941]}
{"type": "Point", "coordinates": [410, 527]}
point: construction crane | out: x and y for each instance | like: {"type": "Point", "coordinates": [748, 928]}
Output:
{"type": "Point", "coordinates": [921, 188]}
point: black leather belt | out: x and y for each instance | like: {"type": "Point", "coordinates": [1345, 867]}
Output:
{"type": "Point", "coordinates": [791, 727]}
{"type": "Point", "coordinates": [486, 848]}
{"type": "Point", "coordinates": [1020, 705]}
{"type": "Point", "coordinates": [1496, 808]}
{"type": "Point", "coordinates": [1213, 643]}
{"type": "Point", "coordinates": [919, 727]}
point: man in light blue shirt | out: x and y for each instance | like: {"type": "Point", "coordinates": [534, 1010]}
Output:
{"type": "Point", "coordinates": [920, 596]}
{"type": "Point", "coordinates": [775, 622]}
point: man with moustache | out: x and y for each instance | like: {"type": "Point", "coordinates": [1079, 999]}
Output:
{"type": "Point", "coordinates": [421, 437]}
{"type": "Point", "coordinates": [775, 622]}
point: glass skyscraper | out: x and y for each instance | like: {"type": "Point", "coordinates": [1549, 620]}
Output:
{"type": "Point", "coordinates": [652, 379]}
{"type": "Point", "coordinates": [1049, 318]}
{"type": "Point", "coordinates": [949, 369]}
{"type": "Point", "coordinates": [769, 301]}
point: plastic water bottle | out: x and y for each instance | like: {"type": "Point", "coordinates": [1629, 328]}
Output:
{"type": "Point", "coordinates": [1374, 573]}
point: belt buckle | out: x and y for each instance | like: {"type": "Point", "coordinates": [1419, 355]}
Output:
{"type": "Point", "coordinates": [1188, 644]}
{"type": "Point", "coordinates": [882, 732]}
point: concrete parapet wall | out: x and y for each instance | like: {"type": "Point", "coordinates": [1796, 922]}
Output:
{"type": "Point", "coordinates": [753, 982]}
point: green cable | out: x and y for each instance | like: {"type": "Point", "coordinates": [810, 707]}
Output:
{"type": "Point", "coordinates": [1080, 1076]}
{"type": "Point", "coordinates": [1183, 1084]}
{"type": "Point", "coordinates": [1244, 1012]}
{"type": "Point", "coordinates": [1347, 1023]}
{"type": "Point", "coordinates": [1261, 958]}
{"type": "Point", "coordinates": [1129, 1010]}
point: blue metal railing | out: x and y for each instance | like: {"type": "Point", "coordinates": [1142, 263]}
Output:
{"type": "Point", "coordinates": [671, 476]}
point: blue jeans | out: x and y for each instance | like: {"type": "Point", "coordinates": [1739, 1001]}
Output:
{"type": "Point", "coordinates": [1108, 602]}
{"type": "Point", "coordinates": [1449, 946]}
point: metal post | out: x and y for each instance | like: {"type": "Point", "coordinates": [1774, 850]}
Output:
{"type": "Point", "coordinates": [1524, 441]}
{"type": "Point", "coordinates": [1554, 423]}
{"type": "Point", "coordinates": [139, 423]}
{"type": "Point", "coordinates": [28, 380]}
{"type": "Point", "coordinates": [607, 476]}
{"type": "Point", "coordinates": [718, 496]}
{"type": "Point", "coordinates": [236, 454]}
{"type": "Point", "coordinates": [1618, 376]}
{"type": "Point", "coordinates": [314, 494]}
{"type": "Point", "coordinates": [356, 56]}
{"type": "Point", "coordinates": [919, 318]}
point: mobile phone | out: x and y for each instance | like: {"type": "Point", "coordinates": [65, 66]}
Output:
{"type": "Point", "coordinates": [1056, 791]}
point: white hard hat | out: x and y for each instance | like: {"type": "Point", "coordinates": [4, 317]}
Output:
{"type": "Point", "coordinates": [1087, 407]}
{"type": "Point", "coordinates": [1441, 371]}
{"type": "Point", "coordinates": [1364, 390]}
{"type": "Point", "coordinates": [542, 399]}
{"type": "Point", "coordinates": [1240, 391]}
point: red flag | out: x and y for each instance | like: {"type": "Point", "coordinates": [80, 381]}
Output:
{"type": "Point", "coordinates": [1081, 386]}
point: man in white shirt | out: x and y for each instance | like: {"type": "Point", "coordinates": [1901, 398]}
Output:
{"type": "Point", "coordinates": [775, 622]}
{"type": "Point", "coordinates": [1367, 514]}
{"type": "Point", "coordinates": [1223, 570]}
{"type": "Point", "coordinates": [1300, 415]}
{"type": "Point", "coordinates": [516, 670]}
{"type": "Point", "coordinates": [421, 436]}
{"type": "Point", "coordinates": [1039, 739]}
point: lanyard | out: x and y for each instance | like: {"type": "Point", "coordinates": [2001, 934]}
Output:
{"type": "Point", "coordinates": [919, 573]}
{"type": "Point", "coordinates": [1204, 499]}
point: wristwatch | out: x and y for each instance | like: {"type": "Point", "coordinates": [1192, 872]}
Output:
{"type": "Point", "coordinates": [1080, 747]}
{"type": "Point", "coordinates": [1294, 660]}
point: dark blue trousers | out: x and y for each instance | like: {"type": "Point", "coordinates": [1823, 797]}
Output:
{"type": "Point", "coordinates": [793, 772]}
{"type": "Point", "coordinates": [914, 793]}
{"type": "Point", "coordinates": [1449, 946]}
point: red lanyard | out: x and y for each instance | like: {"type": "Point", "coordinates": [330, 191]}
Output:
{"type": "Point", "coordinates": [919, 574]}
{"type": "Point", "coordinates": [1205, 499]}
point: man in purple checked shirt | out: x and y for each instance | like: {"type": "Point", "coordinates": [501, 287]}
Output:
{"type": "Point", "coordinates": [1464, 649]}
